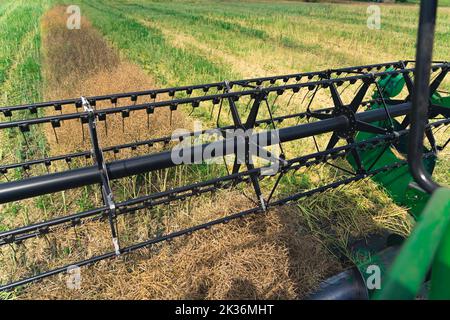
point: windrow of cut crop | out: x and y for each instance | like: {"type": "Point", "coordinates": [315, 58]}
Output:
{"type": "Point", "coordinates": [148, 48]}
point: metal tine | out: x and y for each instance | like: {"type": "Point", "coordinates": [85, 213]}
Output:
{"type": "Point", "coordinates": [114, 101]}
{"type": "Point", "coordinates": [214, 102]}
{"type": "Point", "coordinates": [172, 107]}
{"type": "Point", "coordinates": [33, 110]}
{"type": "Point", "coordinates": [280, 176]}
{"type": "Point", "coordinates": [150, 110]}
{"type": "Point", "coordinates": [82, 129]}
{"type": "Point", "coordinates": [68, 161]}
{"type": "Point", "coordinates": [304, 97]}
{"type": "Point", "coordinates": [47, 165]}
{"type": "Point", "coordinates": [219, 112]}
{"type": "Point", "coordinates": [8, 114]}
{"type": "Point", "coordinates": [56, 124]}
{"type": "Point", "coordinates": [126, 113]}
{"type": "Point", "coordinates": [308, 110]}
{"type": "Point", "coordinates": [278, 94]}
{"type": "Point", "coordinates": [14, 255]}
{"type": "Point", "coordinates": [193, 107]}
{"type": "Point", "coordinates": [26, 140]}
{"type": "Point", "coordinates": [4, 175]}
{"type": "Point", "coordinates": [25, 171]}
{"type": "Point", "coordinates": [134, 99]}
{"type": "Point", "coordinates": [273, 122]}
{"type": "Point", "coordinates": [248, 104]}
{"type": "Point", "coordinates": [290, 98]}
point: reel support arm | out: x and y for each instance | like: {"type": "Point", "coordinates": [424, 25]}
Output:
{"type": "Point", "coordinates": [420, 98]}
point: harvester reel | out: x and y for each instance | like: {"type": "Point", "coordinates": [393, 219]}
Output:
{"type": "Point", "coordinates": [373, 141]}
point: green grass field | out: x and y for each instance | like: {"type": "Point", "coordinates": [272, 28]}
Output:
{"type": "Point", "coordinates": [20, 68]}
{"type": "Point", "coordinates": [252, 38]}
{"type": "Point", "coordinates": [180, 42]}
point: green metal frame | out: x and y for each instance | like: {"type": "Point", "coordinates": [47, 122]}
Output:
{"type": "Point", "coordinates": [428, 246]}
{"type": "Point", "coordinates": [399, 182]}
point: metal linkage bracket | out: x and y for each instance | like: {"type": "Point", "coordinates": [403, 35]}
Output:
{"type": "Point", "coordinates": [249, 124]}
{"type": "Point", "coordinates": [108, 197]}
{"type": "Point", "coordinates": [353, 124]}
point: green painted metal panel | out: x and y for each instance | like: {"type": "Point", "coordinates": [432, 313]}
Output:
{"type": "Point", "coordinates": [430, 236]}
{"type": "Point", "coordinates": [398, 182]}
{"type": "Point", "coordinates": [440, 276]}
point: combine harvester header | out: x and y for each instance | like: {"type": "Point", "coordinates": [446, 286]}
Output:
{"type": "Point", "coordinates": [369, 134]}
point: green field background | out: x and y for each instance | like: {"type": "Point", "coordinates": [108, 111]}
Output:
{"type": "Point", "coordinates": [181, 42]}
